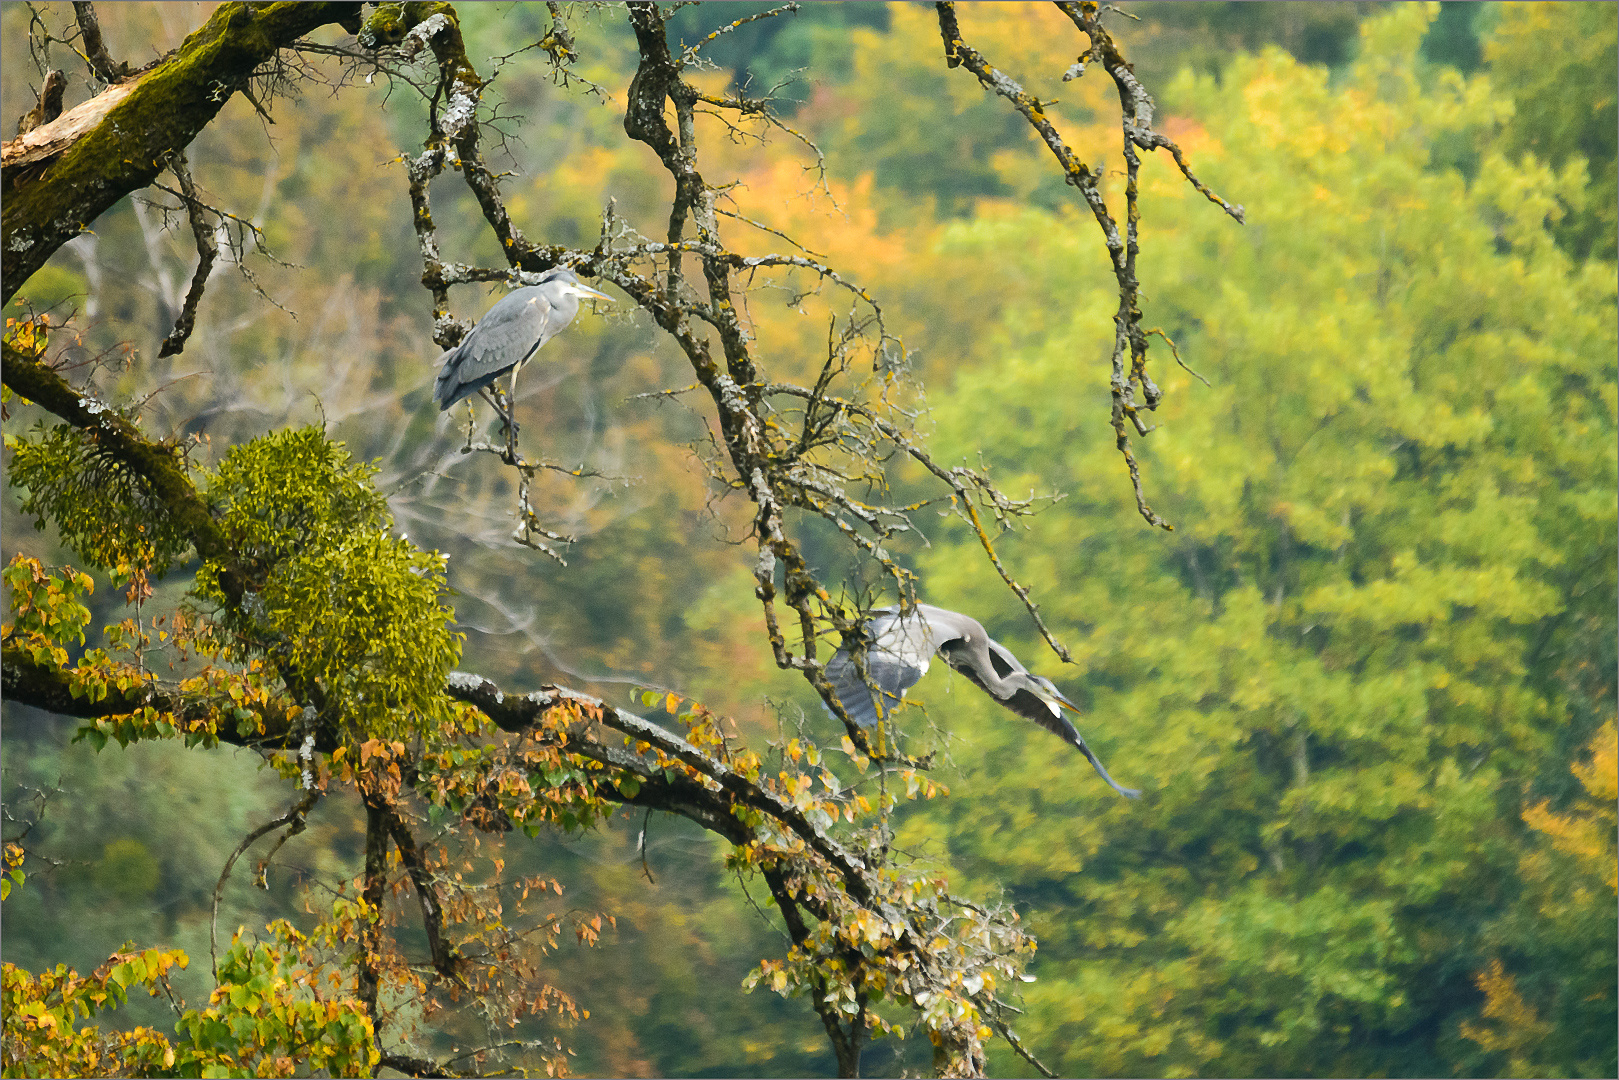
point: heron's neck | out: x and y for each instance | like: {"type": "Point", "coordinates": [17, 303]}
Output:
{"type": "Point", "coordinates": [1001, 688]}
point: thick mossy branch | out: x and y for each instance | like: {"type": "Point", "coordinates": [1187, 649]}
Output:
{"type": "Point", "coordinates": [49, 202]}
{"type": "Point", "coordinates": [159, 464]}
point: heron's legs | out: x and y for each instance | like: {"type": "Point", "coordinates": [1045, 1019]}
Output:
{"type": "Point", "coordinates": [492, 396]}
{"type": "Point", "coordinates": [511, 409]}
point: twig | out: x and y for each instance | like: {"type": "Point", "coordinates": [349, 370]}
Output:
{"type": "Point", "coordinates": [207, 252]}
{"type": "Point", "coordinates": [1015, 1043]}
{"type": "Point", "coordinates": [294, 817]}
{"type": "Point", "coordinates": [689, 53]}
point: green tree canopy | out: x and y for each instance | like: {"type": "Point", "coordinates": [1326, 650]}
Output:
{"type": "Point", "coordinates": [904, 317]}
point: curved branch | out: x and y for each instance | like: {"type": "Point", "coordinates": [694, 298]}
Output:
{"type": "Point", "coordinates": [295, 817]}
{"type": "Point", "coordinates": [1138, 104]}
{"type": "Point", "coordinates": [845, 1040]}
{"type": "Point", "coordinates": [26, 681]}
{"type": "Point", "coordinates": [376, 883]}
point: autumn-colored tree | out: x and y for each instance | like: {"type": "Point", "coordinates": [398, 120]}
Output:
{"type": "Point", "coordinates": [315, 632]}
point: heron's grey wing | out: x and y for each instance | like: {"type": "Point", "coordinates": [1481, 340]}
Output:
{"type": "Point", "coordinates": [506, 336]}
{"type": "Point", "coordinates": [896, 659]}
{"type": "Point", "coordinates": [1028, 704]}
{"type": "Point", "coordinates": [891, 676]}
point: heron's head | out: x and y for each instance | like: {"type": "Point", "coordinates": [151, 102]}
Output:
{"type": "Point", "coordinates": [1048, 693]}
{"type": "Point", "coordinates": [567, 283]}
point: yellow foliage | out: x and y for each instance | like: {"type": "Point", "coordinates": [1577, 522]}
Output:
{"type": "Point", "coordinates": [1587, 831]}
{"type": "Point", "coordinates": [1518, 1027]}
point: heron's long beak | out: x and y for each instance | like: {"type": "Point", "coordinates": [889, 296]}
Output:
{"type": "Point", "coordinates": [1057, 696]}
{"type": "Point", "coordinates": [586, 290]}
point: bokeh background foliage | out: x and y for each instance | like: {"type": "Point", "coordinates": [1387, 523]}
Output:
{"type": "Point", "coordinates": [1367, 684]}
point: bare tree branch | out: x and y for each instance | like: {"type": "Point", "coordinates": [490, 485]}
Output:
{"type": "Point", "coordinates": [1129, 360]}
{"type": "Point", "coordinates": [207, 252]}
{"type": "Point", "coordinates": [95, 50]}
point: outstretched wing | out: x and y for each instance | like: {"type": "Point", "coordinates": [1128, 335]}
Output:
{"type": "Point", "coordinates": [505, 337]}
{"type": "Point", "coordinates": [897, 656]}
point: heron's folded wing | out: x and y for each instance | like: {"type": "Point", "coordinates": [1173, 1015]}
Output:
{"type": "Point", "coordinates": [1079, 744]}
{"type": "Point", "coordinates": [1029, 705]}
{"type": "Point", "coordinates": [506, 336]}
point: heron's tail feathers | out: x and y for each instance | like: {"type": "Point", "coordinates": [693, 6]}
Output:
{"type": "Point", "coordinates": [445, 390]}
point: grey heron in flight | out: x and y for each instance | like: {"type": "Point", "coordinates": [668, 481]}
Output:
{"type": "Point", "coordinates": [512, 331]}
{"type": "Point", "coordinates": [899, 646]}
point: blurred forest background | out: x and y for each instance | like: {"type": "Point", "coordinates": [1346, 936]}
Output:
{"type": "Point", "coordinates": [1368, 683]}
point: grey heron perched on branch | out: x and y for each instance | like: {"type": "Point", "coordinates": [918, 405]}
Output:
{"type": "Point", "coordinates": [509, 334]}
{"type": "Point", "coordinates": [899, 646]}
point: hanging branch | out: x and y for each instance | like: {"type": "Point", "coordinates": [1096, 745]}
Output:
{"type": "Point", "coordinates": [207, 252]}
{"type": "Point", "coordinates": [1129, 376]}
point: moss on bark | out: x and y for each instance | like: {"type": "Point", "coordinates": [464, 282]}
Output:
{"type": "Point", "coordinates": [48, 204]}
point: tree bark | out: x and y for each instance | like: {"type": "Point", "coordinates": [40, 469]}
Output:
{"type": "Point", "coordinates": [48, 202]}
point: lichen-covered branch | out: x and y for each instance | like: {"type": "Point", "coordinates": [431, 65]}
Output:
{"type": "Point", "coordinates": [375, 883]}
{"type": "Point", "coordinates": [854, 930]}
{"type": "Point", "coordinates": [1133, 389]}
